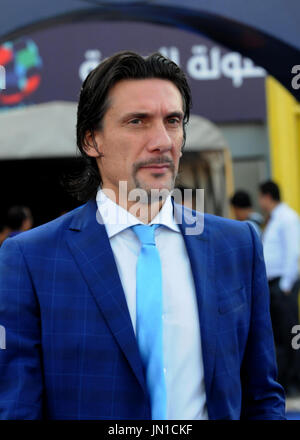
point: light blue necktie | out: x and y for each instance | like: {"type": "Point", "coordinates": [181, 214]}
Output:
{"type": "Point", "coordinates": [149, 309]}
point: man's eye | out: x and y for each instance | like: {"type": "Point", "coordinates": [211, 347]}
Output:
{"type": "Point", "coordinates": [173, 121]}
{"type": "Point", "coordinates": [136, 121]}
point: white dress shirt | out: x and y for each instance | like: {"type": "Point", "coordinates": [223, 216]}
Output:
{"type": "Point", "coordinates": [183, 364]}
{"type": "Point", "coordinates": [281, 243]}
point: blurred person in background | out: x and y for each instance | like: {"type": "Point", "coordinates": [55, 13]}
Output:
{"type": "Point", "coordinates": [242, 207]}
{"type": "Point", "coordinates": [19, 219]}
{"type": "Point", "coordinates": [281, 243]}
{"type": "Point", "coordinates": [188, 196]}
{"type": "Point", "coordinates": [4, 231]}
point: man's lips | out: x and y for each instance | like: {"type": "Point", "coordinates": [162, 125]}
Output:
{"type": "Point", "coordinates": [157, 167]}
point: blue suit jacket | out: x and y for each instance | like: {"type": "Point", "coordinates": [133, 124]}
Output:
{"type": "Point", "coordinates": [71, 351]}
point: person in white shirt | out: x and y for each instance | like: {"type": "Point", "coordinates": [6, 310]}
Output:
{"type": "Point", "coordinates": [281, 240]}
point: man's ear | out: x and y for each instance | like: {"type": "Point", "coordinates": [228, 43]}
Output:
{"type": "Point", "coordinates": [90, 146]}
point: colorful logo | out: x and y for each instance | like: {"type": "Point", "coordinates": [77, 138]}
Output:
{"type": "Point", "coordinates": [22, 64]}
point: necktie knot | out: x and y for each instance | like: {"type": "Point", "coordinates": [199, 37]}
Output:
{"type": "Point", "coordinates": [145, 233]}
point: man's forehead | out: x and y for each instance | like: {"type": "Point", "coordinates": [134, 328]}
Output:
{"type": "Point", "coordinates": [147, 92]}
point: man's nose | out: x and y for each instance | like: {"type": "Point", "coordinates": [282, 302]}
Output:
{"type": "Point", "coordinates": [159, 138]}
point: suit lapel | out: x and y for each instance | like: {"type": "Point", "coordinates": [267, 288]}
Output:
{"type": "Point", "coordinates": [90, 247]}
{"type": "Point", "coordinates": [200, 250]}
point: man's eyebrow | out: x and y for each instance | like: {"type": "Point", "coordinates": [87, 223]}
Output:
{"type": "Point", "coordinates": [134, 115]}
{"type": "Point", "coordinates": [175, 115]}
{"type": "Point", "coordinates": [143, 115]}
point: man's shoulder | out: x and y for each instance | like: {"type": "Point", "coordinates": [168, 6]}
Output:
{"type": "Point", "coordinates": [223, 222]}
{"type": "Point", "coordinates": [290, 213]}
{"type": "Point", "coordinates": [283, 211]}
{"type": "Point", "coordinates": [228, 230]}
{"type": "Point", "coordinates": [221, 229]}
{"type": "Point", "coordinates": [217, 224]}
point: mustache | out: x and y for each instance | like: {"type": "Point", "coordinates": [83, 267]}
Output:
{"type": "Point", "coordinates": [155, 161]}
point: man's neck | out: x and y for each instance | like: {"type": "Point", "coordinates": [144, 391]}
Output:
{"type": "Point", "coordinates": [274, 206]}
{"type": "Point", "coordinates": [145, 212]}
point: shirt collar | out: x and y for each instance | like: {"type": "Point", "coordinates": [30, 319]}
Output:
{"type": "Point", "coordinates": [116, 218]}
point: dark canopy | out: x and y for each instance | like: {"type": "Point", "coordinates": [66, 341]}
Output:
{"type": "Point", "coordinates": [266, 31]}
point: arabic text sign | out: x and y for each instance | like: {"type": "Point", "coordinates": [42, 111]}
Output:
{"type": "Point", "coordinates": [225, 86]}
{"type": "Point", "coordinates": [212, 66]}
{"type": "Point", "coordinates": [204, 64]}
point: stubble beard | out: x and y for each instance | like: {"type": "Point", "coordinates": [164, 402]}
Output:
{"type": "Point", "coordinates": [155, 195]}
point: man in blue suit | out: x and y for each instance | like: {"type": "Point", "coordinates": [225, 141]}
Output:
{"type": "Point", "coordinates": [72, 300]}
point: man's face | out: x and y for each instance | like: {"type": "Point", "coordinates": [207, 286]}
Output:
{"type": "Point", "coordinates": [264, 202]}
{"type": "Point", "coordinates": [241, 213]}
{"type": "Point", "coordinates": [141, 135]}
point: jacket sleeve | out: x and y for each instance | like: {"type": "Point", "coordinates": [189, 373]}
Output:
{"type": "Point", "coordinates": [21, 384]}
{"type": "Point", "coordinates": [262, 396]}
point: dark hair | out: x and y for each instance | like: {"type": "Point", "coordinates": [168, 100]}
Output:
{"type": "Point", "coordinates": [16, 215]}
{"type": "Point", "coordinates": [241, 199]}
{"type": "Point", "coordinates": [93, 104]}
{"type": "Point", "coordinates": [271, 188]}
